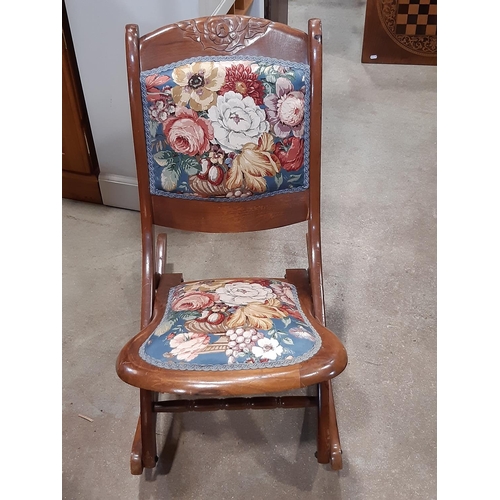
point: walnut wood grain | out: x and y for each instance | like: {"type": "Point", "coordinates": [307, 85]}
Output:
{"type": "Point", "coordinates": [148, 428]}
{"type": "Point", "coordinates": [80, 168]}
{"type": "Point", "coordinates": [148, 271]}
{"type": "Point", "coordinates": [81, 187]}
{"type": "Point", "coordinates": [241, 7]}
{"type": "Point", "coordinates": [323, 436]}
{"type": "Point", "coordinates": [231, 217]}
{"type": "Point", "coordinates": [335, 448]}
{"type": "Point", "coordinates": [171, 43]}
{"type": "Point", "coordinates": [136, 466]}
{"type": "Point", "coordinates": [314, 227]}
{"type": "Point", "coordinates": [329, 449]}
{"type": "Point", "coordinates": [227, 35]}
{"type": "Point", "coordinates": [160, 257]}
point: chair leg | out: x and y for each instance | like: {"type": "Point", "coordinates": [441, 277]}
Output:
{"type": "Point", "coordinates": [136, 466]}
{"type": "Point", "coordinates": [148, 429]}
{"type": "Point", "coordinates": [329, 449]}
{"type": "Point", "coordinates": [323, 453]}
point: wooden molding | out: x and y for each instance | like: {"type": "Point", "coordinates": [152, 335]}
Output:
{"type": "Point", "coordinates": [81, 187]}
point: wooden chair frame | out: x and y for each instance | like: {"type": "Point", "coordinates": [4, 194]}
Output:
{"type": "Point", "coordinates": [227, 390]}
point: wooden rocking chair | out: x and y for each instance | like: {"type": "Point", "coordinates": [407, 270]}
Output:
{"type": "Point", "coordinates": [226, 117]}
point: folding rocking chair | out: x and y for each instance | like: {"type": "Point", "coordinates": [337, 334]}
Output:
{"type": "Point", "coordinates": [226, 118]}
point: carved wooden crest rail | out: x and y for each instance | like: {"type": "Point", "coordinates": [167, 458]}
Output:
{"type": "Point", "coordinates": [225, 35]}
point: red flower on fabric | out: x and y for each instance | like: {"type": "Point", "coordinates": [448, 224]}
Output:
{"type": "Point", "coordinates": [290, 152]}
{"type": "Point", "coordinates": [241, 79]}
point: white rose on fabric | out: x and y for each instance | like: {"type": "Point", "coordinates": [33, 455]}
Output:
{"type": "Point", "coordinates": [267, 349]}
{"type": "Point", "coordinates": [241, 293]}
{"type": "Point", "coordinates": [237, 121]}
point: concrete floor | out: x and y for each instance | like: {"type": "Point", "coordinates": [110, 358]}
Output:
{"type": "Point", "coordinates": [379, 261]}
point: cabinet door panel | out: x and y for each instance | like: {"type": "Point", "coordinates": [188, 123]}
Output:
{"type": "Point", "coordinates": [80, 169]}
{"type": "Point", "coordinates": [74, 145]}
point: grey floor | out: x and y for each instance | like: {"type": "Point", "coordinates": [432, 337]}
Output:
{"type": "Point", "coordinates": [379, 261]}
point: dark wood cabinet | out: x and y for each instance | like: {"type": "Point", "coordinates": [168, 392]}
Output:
{"type": "Point", "coordinates": [80, 169]}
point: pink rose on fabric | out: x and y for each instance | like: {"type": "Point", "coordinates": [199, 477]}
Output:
{"type": "Point", "coordinates": [186, 346]}
{"type": "Point", "coordinates": [187, 133]}
{"type": "Point", "coordinates": [194, 301]}
{"type": "Point", "coordinates": [285, 109]}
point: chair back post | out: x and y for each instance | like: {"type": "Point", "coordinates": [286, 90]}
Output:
{"type": "Point", "coordinates": [314, 228]}
{"type": "Point", "coordinates": [148, 267]}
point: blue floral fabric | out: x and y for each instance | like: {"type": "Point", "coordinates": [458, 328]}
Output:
{"type": "Point", "coordinates": [231, 325]}
{"type": "Point", "coordinates": [227, 129]}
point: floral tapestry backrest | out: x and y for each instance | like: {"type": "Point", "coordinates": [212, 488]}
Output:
{"type": "Point", "coordinates": [227, 128]}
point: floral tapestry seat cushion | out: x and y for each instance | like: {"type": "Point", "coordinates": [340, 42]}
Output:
{"type": "Point", "coordinates": [231, 325]}
{"type": "Point", "coordinates": [227, 129]}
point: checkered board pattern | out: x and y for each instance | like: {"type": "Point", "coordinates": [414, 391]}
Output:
{"type": "Point", "coordinates": [416, 17]}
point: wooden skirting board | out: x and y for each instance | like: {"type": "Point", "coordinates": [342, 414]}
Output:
{"type": "Point", "coordinates": [81, 187]}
